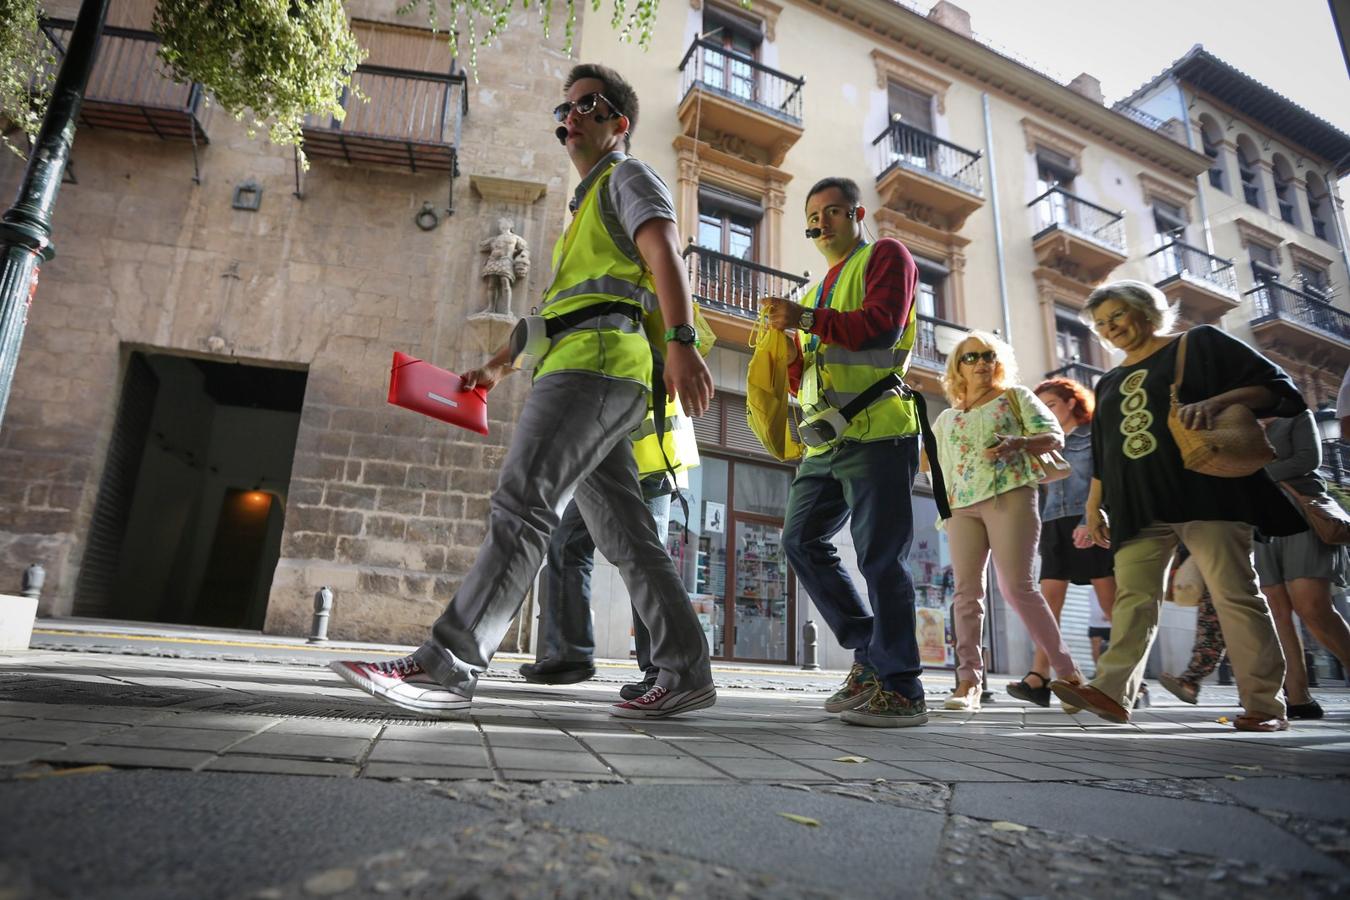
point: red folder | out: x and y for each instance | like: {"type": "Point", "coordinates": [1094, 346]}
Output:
{"type": "Point", "coordinates": [423, 388]}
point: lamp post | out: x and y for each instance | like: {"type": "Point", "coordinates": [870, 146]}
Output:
{"type": "Point", "coordinates": [25, 229]}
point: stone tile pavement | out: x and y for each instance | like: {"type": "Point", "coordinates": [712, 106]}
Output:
{"type": "Point", "coordinates": [1014, 799]}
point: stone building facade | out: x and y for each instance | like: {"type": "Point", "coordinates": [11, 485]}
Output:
{"type": "Point", "coordinates": [124, 446]}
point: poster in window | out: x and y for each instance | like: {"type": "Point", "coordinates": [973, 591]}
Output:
{"type": "Point", "coordinates": [932, 634]}
{"type": "Point", "coordinates": [714, 517]}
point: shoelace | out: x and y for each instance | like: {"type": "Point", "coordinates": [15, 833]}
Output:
{"type": "Point", "coordinates": [404, 666]}
{"type": "Point", "coordinates": [656, 693]}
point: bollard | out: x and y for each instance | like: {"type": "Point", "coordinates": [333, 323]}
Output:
{"type": "Point", "coordinates": [810, 636]}
{"type": "Point", "coordinates": [1225, 672]}
{"type": "Point", "coordinates": [1310, 663]}
{"type": "Point", "coordinates": [323, 608]}
{"type": "Point", "coordinates": [33, 578]}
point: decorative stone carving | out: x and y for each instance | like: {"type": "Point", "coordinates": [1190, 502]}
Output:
{"type": "Point", "coordinates": [508, 259]}
{"type": "Point", "coordinates": [890, 68]}
{"type": "Point", "coordinates": [1249, 233]}
{"type": "Point", "coordinates": [1304, 256]}
{"type": "Point", "coordinates": [1036, 133]}
{"type": "Point", "coordinates": [764, 10]}
{"type": "Point", "coordinates": [1156, 188]}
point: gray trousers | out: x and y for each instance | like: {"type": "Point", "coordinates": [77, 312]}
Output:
{"type": "Point", "coordinates": [565, 627]}
{"type": "Point", "coordinates": [572, 435]}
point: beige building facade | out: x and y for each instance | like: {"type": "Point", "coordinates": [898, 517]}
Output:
{"type": "Point", "coordinates": [1016, 195]}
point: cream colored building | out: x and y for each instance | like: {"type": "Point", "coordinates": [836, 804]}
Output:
{"type": "Point", "coordinates": [1016, 195]}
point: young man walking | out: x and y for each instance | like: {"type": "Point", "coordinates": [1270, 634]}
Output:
{"type": "Point", "coordinates": [617, 262]}
{"type": "Point", "coordinates": [862, 454]}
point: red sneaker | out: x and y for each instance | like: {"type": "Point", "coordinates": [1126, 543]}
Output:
{"type": "Point", "coordinates": [659, 702]}
{"type": "Point", "coordinates": [403, 683]}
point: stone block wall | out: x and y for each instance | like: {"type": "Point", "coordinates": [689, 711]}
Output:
{"type": "Point", "coordinates": [385, 506]}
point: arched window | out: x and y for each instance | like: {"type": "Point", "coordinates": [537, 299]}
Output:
{"type": "Point", "coordinates": [1211, 136]}
{"type": "Point", "coordinates": [1284, 188]}
{"type": "Point", "coordinates": [1319, 206]}
{"type": "Point", "coordinates": [1249, 171]}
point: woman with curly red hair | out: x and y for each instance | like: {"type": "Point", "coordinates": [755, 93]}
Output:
{"type": "Point", "coordinates": [1067, 552]}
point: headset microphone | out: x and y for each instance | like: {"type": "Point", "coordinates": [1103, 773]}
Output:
{"type": "Point", "coordinates": [813, 233]}
{"type": "Point", "coordinates": [561, 134]}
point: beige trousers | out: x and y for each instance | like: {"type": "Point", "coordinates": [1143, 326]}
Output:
{"type": "Point", "coordinates": [1223, 551]}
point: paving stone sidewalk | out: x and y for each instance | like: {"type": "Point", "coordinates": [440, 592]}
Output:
{"type": "Point", "coordinates": [1013, 800]}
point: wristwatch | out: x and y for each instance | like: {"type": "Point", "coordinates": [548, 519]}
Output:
{"type": "Point", "coordinates": [683, 334]}
{"type": "Point", "coordinates": [807, 321]}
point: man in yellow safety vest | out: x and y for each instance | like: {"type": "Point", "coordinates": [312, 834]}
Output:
{"type": "Point", "coordinates": [615, 267]}
{"type": "Point", "coordinates": [566, 653]}
{"type": "Point", "coordinates": [861, 429]}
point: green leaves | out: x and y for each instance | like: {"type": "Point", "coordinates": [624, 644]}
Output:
{"type": "Point", "coordinates": [273, 60]}
{"type": "Point", "coordinates": [27, 68]}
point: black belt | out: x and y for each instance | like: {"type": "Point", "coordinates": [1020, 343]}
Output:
{"type": "Point", "coordinates": [563, 321]}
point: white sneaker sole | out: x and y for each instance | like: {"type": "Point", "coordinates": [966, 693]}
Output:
{"type": "Point", "coordinates": [961, 706]}
{"type": "Point", "coordinates": [435, 702]}
{"type": "Point", "coordinates": [858, 717]}
{"type": "Point", "coordinates": [687, 701]}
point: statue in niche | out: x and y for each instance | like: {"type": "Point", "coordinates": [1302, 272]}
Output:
{"type": "Point", "coordinates": [508, 260]}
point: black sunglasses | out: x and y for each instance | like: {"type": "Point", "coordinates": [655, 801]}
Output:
{"type": "Point", "coordinates": [973, 357]}
{"type": "Point", "coordinates": [584, 106]}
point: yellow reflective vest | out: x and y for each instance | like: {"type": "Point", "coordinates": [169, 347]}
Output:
{"type": "Point", "coordinates": [589, 268]}
{"type": "Point", "coordinates": [833, 375]}
{"type": "Point", "coordinates": [678, 440]}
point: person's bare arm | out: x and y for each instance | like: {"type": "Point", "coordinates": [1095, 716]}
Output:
{"type": "Point", "coordinates": [1094, 520]}
{"type": "Point", "coordinates": [686, 374]}
{"type": "Point", "coordinates": [494, 370]}
{"type": "Point", "coordinates": [1201, 415]}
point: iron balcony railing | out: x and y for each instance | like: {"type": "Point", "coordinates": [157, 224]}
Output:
{"type": "Point", "coordinates": [411, 117]}
{"type": "Point", "coordinates": [129, 88]}
{"type": "Point", "coordinates": [1079, 372]}
{"type": "Point", "coordinates": [1273, 301]}
{"type": "Point", "coordinates": [711, 67]}
{"type": "Point", "coordinates": [1336, 462]}
{"type": "Point", "coordinates": [1178, 259]}
{"type": "Point", "coordinates": [734, 285]}
{"type": "Point", "coordinates": [1148, 120]}
{"type": "Point", "coordinates": [912, 148]}
{"type": "Point", "coordinates": [929, 338]}
{"type": "Point", "coordinates": [1057, 208]}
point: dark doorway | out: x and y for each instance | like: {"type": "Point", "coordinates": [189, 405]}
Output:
{"type": "Point", "coordinates": [187, 526]}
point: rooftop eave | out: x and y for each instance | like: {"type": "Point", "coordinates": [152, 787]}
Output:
{"type": "Point", "coordinates": [974, 60]}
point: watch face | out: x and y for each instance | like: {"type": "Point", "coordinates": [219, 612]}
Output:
{"type": "Point", "coordinates": [685, 333]}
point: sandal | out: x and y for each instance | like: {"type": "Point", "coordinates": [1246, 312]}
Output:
{"type": "Point", "coordinates": [1037, 695]}
{"type": "Point", "coordinates": [1184, 691]}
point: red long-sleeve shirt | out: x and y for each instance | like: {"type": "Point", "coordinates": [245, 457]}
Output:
{"type": "Point", "coordinates": [888, 299]}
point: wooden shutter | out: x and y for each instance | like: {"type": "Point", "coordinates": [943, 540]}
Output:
{"type": "Point", "coordinates": [914, 108]}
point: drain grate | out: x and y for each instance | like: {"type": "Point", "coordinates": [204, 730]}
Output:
{"type": "Point", "coordinates": [57, 692]}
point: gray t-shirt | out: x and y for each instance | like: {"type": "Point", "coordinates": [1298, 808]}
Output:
{"type": "Point", "coordinates": [636, 195]}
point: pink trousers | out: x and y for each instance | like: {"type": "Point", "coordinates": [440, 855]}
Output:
{"type": "Point", "coordinates": [1009, 525]}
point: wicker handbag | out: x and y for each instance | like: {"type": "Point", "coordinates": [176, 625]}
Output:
{"type": "Point", "coordinates": [1235, 447]}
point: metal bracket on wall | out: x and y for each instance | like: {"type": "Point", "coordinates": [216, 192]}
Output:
{"type": "Point", "coordinates": [454, 173]}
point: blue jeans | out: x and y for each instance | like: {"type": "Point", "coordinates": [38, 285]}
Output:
{"type": "Point", "coordinates": [871, 482]}
{"type": "Point", "coordinates": [565, 599]}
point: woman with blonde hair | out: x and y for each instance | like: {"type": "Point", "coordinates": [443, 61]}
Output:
{"type": "Point", "coordinates": [987, 442]}
{"type": "Point", "coordinates": [1143, 501]}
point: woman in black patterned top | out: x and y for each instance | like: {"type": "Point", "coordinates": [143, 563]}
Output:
{"type": "Point", "coordinates": [1143, 501]}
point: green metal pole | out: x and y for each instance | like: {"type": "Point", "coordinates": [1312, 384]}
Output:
{"type": "Point", "coordinates": [25, 229]}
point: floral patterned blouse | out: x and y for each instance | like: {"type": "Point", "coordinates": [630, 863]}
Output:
{"type": "Point", "coordinates": [963, 436]}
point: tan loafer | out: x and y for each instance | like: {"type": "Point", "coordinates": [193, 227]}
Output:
{"type": "Point", "coordinates": [1085, 696]}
